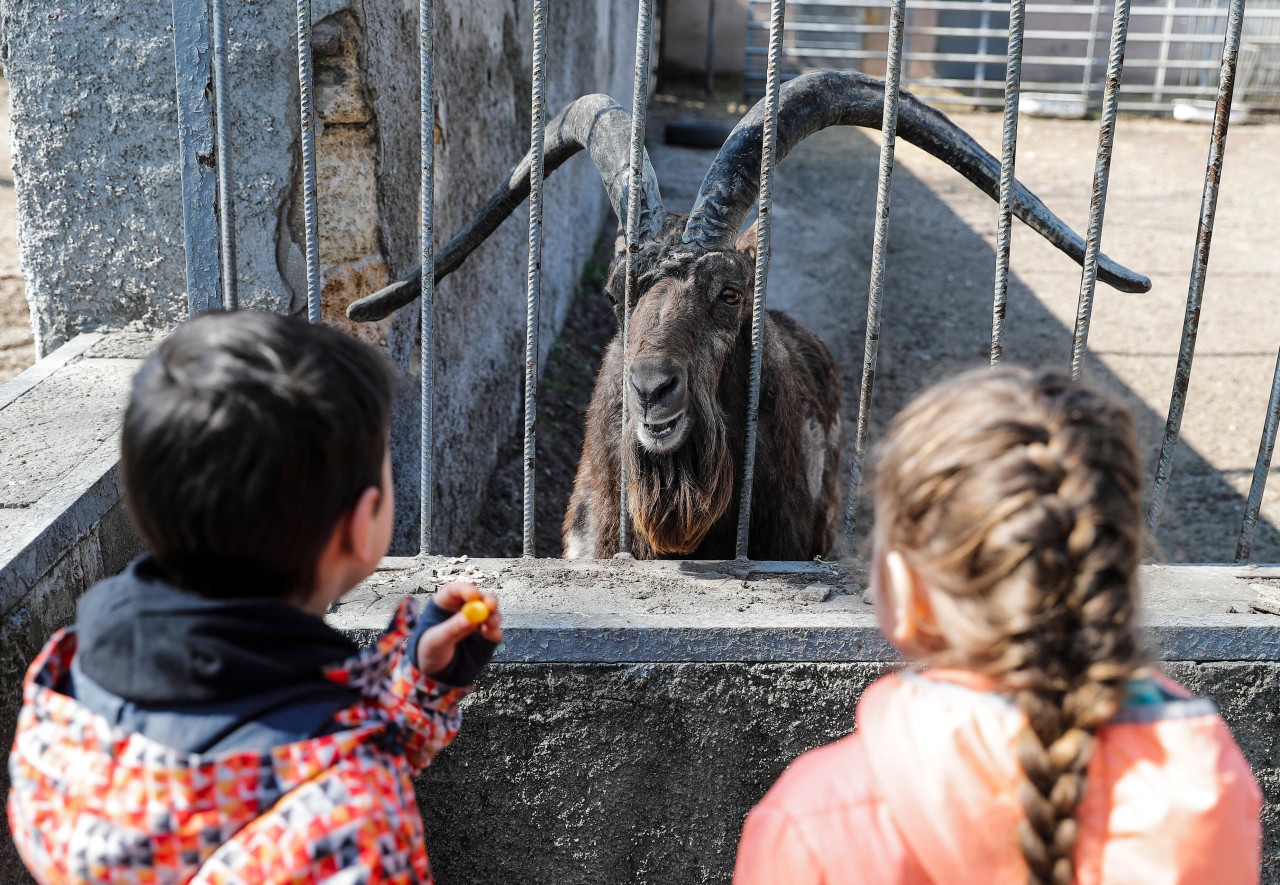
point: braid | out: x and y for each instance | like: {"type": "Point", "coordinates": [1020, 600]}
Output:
{"type": "Point", "coordinates": [1016, 495]}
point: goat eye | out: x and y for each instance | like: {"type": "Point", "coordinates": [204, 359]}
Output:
{"type": "Point", "coordinates": [730, 296]}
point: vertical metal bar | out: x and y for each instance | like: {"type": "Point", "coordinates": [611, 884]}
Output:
{"type": "Point", "coordinates": [191, 41]}
{"type": "Point", "coordinates": [769, 136]}
{"type": "Point", "coordinates": [427, 259]}
{"type": "Point", "coordinates": [226, 184]}
{"type": "Point", "coordinates": [537, 127]}
{"type": "Point", "coordinates": [1094, 14]}
{"type": "Point", "coordinates": [639, 108]}
{"type": "Point", "coordinates": [1165, 39]}
{"type": "Point", "coordinates": [1200, 265]}
{"type": "Point", "coordinates": [1008, 154]}
{"type": "Point", "coordinates": [871, 351]}
{"type": "Point", "coordinates": [711, 47]}
{"type": "Point", "coordinates": [984, 23]}
{"type": "Point", "coordinates": [1101, 177]}
{"type": "Point", "coordinates": [308, 133]}
{"type": "Point", "coordinates": [1266, 448]}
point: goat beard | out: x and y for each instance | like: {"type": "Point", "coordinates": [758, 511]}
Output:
{"type": "Point", "coordinates": [675, 498]}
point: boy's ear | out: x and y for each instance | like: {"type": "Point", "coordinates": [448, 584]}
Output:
{"type": "Point", "coordinates": [748, 239]}
{"type": "Point", "coordinates": [361, 535]}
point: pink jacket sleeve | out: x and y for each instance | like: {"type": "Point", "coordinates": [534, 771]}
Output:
{"type": "Point", "coordinates": [772, 850]}
{"type": "Point", "coordinates": [825, 823]}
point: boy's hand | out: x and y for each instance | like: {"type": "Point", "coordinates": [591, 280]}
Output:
{"type": "Point", "coordinates": [452, 649]}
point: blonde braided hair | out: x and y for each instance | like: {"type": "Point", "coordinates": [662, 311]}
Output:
{"type": "Point", "coordinates": [1015, 496]}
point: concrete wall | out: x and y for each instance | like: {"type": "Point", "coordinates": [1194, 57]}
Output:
{"type": "Point", "coordinates": [100, 223]}
{"type": "Point", "coordinates": [643, 773]}
{"type": "Point", "coordinates": [684, 40]}
{"type": "Point", "coordinates": [62, 524]}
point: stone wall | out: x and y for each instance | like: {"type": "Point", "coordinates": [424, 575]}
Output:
{"type": "Point", "coordinates": [100, 219]}
{"type": "Point", "coordinates": [578, 774]}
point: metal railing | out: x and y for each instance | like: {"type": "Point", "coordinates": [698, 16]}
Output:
{"type": "Point", "coordinates": [203, 100]}
{"type": "Point", "coordinates": [956, 48]}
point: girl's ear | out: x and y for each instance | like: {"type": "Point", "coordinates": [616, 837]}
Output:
{"type": "Point", "coordinates": [908, 600]}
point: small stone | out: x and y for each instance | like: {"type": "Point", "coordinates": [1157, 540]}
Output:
{"type": "Point", "coordinates": [815, 593]}
{"type": "Point", "coordinates": [1267, 601]}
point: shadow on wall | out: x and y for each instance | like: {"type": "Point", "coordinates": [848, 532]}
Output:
{"type": "Point", "coordinates": [937, 317]}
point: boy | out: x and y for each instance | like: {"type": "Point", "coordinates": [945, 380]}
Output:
{"type": "Point", "coordinates": [201, 723]}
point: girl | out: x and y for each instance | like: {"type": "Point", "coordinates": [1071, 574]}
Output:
{"type": "Point", "coordinates": [1038, 745]}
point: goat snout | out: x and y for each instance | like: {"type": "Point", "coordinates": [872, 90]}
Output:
{"type": "Point", "coordinates": [660, 390]}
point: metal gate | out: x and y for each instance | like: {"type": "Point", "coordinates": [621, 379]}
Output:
{"type": "Point", "coordinates": [956, 50]}
{"type": "Point", "coordinates": [203, 100]}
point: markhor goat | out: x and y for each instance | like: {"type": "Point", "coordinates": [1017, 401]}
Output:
{"type": "Point", "coordinates": [690, 336]}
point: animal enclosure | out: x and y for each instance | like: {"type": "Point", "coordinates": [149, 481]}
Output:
{"type": "Point", "coordinates": [208, 212]}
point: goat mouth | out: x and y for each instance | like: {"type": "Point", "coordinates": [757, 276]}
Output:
{"type": "Point", "coordinates": [663, 436]}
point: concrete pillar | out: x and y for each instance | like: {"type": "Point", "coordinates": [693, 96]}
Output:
{"type": "Point", "coordinates": [100, 219]}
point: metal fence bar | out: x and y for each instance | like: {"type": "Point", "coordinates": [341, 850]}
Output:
{"type": "Point", "coordinates": [1266, 448]}
{"type": "Point", "coordinates": [1166, 35]}
{"type": "Point", "coordinates": [191, 41]}
{"type": "Point", "coordinates": [533, 293]}
{"type": "Point", "coordinates": [1101, 177]}
{"type": "Point", "coordinates": [308, 126]}
{"type": "Point", "coordinates": [871, 351]}
{"type": "Point", "coordinates": [769, 137]}
{"type": "Point", "coordinates": [427, 261]}
{"type": "Point", "coordinates": [711, 47]}
{"type": "Point", "coordinates": [639, 106]}
{"type": "Point", "coordinates": [226, 184]}
{"type": "Point", "coordinates": [1200, 265]}
{"type": "Point", "coordinates": [1032, 8]}
{"type": "Point", "coordinates": [1008, 154]}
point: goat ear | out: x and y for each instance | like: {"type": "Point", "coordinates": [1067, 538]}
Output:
{"type": "Point", "coordinates": [747, 240]}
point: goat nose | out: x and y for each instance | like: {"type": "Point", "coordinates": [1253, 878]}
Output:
{"type": "Point", "coordinates": [654, 384]}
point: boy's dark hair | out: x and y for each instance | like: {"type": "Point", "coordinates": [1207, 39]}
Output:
{"type": "Point", "coordinates": [248, 435]}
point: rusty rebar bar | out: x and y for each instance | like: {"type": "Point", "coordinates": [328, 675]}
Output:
{"type": "Point", "coordinates": [226, 184]}
{"type": "Point", "coordinates": [1101, 178]}
{"type": "Point", "coordinates": [426, 255]}
{"type": "Point", "coordinates": [639, 107]}
{"type": "Point", "coordinates": [875, 293]}
{"type": "Point", "coordinates": [1200, 263]}
{"type": "Point", "coordinates": [533, 292]}
{"type": "Point", "coordinates": [1008, 155]}
{"type": "Point", "coordinates": [1266, 448]}
{"type": "Point", "coordinates": [769, 136]}
{"type": "Point", "coordinates": [308, 133]}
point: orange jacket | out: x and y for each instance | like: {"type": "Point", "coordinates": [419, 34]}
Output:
{"type": "Point", "coordinates": [91, 804]}
{"type": "Point", "coordinates": [925, 792]}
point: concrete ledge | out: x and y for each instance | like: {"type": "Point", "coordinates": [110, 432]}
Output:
{"type": "Point", "coordinates": [62, 524]}
{"type": "Point", "coordinates": [637, 711]}
{"type": "Point", "coordinates": [623, 611]}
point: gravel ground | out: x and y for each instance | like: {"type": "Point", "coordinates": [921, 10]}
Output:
{"type": "Point", "coordinates": [937, 313]}
{"type": "Point", "coordinates": [17, 349]}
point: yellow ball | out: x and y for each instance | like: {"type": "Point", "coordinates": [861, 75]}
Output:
{"type": "Point", "coordinates": [476, 611]}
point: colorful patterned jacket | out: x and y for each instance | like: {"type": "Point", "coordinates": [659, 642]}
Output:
{"type": "Point", "coordinates": [90, 803]}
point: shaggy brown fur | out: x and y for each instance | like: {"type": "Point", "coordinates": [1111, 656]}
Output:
{"type": "Point", "coordinates": [683, 497]}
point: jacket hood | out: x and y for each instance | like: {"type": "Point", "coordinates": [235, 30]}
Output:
{"type": "Point", "coordinates": [1170, 799]}
{"type": "Point", "coordinates": [145, 640]}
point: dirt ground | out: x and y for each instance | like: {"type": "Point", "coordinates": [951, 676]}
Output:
{"type": "Point", "coordinates": [937, 305]}
{"type": "Point", "coordinates": [937, 313]}
{"type": "Point", "coordinates": [17, 348]}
